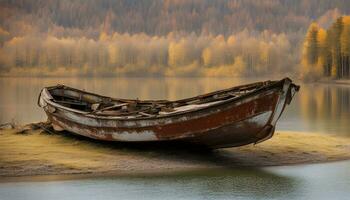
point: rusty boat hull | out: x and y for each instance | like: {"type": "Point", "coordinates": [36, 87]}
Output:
{"type": "Point", "coordinates": [232, 117]}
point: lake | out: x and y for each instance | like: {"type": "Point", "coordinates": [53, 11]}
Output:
{"type": "Point", "coordinates": [319, 108]}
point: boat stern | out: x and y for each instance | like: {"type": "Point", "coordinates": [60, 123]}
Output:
{"type": "Point", "coordinates": [288, 91]}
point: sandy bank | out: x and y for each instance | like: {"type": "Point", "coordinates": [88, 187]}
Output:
{"type": "Point", "coordinates": [38, 153]}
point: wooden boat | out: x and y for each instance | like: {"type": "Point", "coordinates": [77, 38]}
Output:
{"type": "Point", "coordinates": [232, 117]}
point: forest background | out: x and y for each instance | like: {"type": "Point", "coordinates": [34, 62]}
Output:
{"type": "Point", "coordinates": [174, 38]}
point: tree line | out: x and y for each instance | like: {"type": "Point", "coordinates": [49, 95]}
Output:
{"type": "Point", "coordinates": [242, 54]}
{"type": "Point", "coordinates": [326, 52]}
{"type": "Point", "coordinates": [170, 37]}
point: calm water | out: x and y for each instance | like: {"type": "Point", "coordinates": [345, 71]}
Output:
{"type": "Point", "coordinates": [320, 108]}
{"type": "Point", "coordinates": [322, 181]}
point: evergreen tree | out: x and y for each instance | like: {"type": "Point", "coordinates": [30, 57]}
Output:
{"type": "Point", "coordinates": [345, 45]}
{"type": "Point", "coordinates": [312, 44]}
{"type": "Point", "coordinates": [322, 53]}
{"type": "Point", "coordinates": [327, 54]}
{"type": "Point", "coordinates": [337, 67]}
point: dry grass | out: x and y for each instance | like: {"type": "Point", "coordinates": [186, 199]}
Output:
{"type": "Point", "coordinates": [37, 153]}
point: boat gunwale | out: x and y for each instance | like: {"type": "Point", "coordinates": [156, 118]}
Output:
{"type": "Point", "coordinates": [231, 100]}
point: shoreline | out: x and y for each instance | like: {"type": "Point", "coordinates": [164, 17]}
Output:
{"type": "Point", "coordinates": [83, 176]}
{"type": "Point", "coordinates": [334, 81]}
{"type": "Point", "coordinates": [135, 174]}
{"type": "Point", "coordinates": [42, 155]}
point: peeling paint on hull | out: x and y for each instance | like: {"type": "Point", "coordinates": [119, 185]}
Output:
{"type": "Point", "coordinates": [248, 119]}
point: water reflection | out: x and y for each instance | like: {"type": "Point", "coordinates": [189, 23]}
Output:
{"type": "Point", "coordinates": [316, 108]}
{"type": "Point", "coordinates": [210, 184]}
{"type": "Point", "coordinates": [325, 108]}
{"type": "Point", "coordinates": [318, 181]}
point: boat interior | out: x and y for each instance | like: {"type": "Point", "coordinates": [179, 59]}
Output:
{"type": "Point", "coordinates": [134, 108]}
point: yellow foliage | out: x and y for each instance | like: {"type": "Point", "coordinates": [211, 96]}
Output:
{"type": "Point", "coordinates": [346, 20]}
{"type": "Point", "coordinates": [319, 67]}
{"type": "Point", "coordinates": [141, 54]}
{"type": "Point", "coordinates": [236, 69]}
{"type": "Point", "coordinates": [334, 71]}
{"type": "Point", "coordinates": [321, 37]}
{"type": "Point", "coordinates": [239, 65]}
{"type": "Point", "coordinates": [103, 36]}
{"type": "Point", "coordinates": [326, 50]}
{"type": "Point", "coordinates": [187, 70]}
{"type": "Point", "coordinates": [220, 38]}
{"type": "Point", "coordinates": [172, 54]}
{"type": "Point", "coordinates": [207, 57]}
{"type": "Point", "coordinates": [231, 40]}
{"type": "Point", "coordinates": [177, 53]}
{"type": "Point", "coordinates": [307, 69]}
{"type": "Point", "coordinates": [15, 41]}
{"type": "Point", "coordinates": [3, 32]}
{"type": "Point", "coordinates": [345, 37]}
{"type": "Point", "coordinates": [321, 40]}
{"type": "Point", "coordinates": [264, 49]}
{"type": "Point", "coordinates": [113, 54]}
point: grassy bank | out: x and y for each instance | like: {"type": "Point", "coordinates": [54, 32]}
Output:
{"type": "Point", "coordinates": [41, 153]}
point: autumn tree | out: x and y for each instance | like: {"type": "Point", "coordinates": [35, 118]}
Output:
{"type": "Point", "coordinates": [337, 68]}
{"type": "Point", "coordinates": [327, 52]}
{"type": "Point", "coordinates": [321, 66]}
{"type": "Point", "coordinates": [311, 52]}
{"type": "Point", "coordinates": [345, 46]}
{"type": "Point", "coordinates": [140, 54]}
{"type": "Point", "coordinates": [312, 44]}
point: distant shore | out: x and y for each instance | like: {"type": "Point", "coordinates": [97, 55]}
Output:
{"type": "Point", "coordinates": [335, 81]}
{"type": "Point", "coordinates": [39, 153]}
